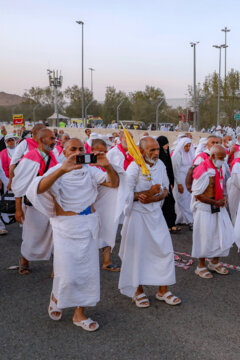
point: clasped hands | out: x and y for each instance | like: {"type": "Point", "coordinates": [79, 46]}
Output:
{"type": "Point", "coordinates": [154, 194]}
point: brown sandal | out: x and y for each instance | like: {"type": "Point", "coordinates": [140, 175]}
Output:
{"type": "Point", "coordinates": [23, 269]}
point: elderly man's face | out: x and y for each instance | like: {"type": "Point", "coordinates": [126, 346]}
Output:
{"type": "Point", "coordinates": [49, 141]}
{"type": "Point", "coordinates": [212, 141]}
{"type": "Point", "coordinates": [64, 139]}
{"type": "Point", "coordinates": [73, 147]}
{"type": "Point", "coordinates": [151, 152]}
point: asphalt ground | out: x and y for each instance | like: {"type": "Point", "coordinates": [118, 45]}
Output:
{"type": "Point", "coordinates": [205, 326]}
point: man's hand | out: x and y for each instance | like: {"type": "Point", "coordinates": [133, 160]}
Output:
{"type": "Point", "coordinates": [180, 189]}
{"type": "Point", "coordinates": [70, 164]}
{"type": "Point", "coordinates": [101, 159]}
{"type": "Point", "coordinates": [145, 199]}
{"type": "Point", "coordinates": [221, 202]}
{"type": "Point", "coordinates": [155, 189]}
{"type": "Point", "coordinates": [19, 215]}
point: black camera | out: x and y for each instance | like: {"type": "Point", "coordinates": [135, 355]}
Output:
{"type": "Point", "coordinates": [86, 159]}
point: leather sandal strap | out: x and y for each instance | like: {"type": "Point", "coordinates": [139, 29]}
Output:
{"type": "Point", "coordinates": [141, 296]}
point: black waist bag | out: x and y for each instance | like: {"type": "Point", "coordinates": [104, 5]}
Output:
{"type": "Point", "coordinates": [7, 203]}
{"type": "Point", "coordinates": [25, 199]}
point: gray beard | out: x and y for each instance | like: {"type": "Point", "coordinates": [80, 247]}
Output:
{"type": "Point", "coordinates": [151, 161]}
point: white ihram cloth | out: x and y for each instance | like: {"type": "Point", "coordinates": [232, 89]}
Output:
{"type": "Point", "coordinates": [37, 232]}
{"type": "Point", "coordinates": [20, 151]}
{"type": "Point", "coordinates": [76, 261]}
{"type": "Point", "coordinates": [213, 234]}
{"type": "Point", "coordinates": [233, 191]}
{"type": "Point", "coordinates": [109, 205]}
{"type": "Point", "coordinates": [60, 158]}
{"type": "Point", "coordinates": [116, 157]}
{"type": "Point", "coordinates": [182, 161]}
{"type": "Point", "coordinates": [146, 248]}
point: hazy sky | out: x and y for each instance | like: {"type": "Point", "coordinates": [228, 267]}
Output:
{"type": "Point", "coordinates": [130, 43]}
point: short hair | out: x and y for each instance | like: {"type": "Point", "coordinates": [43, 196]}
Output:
{"type": "Point", "coordinates": [212, 136]}
{"type": "Point", "coordinates": [144, 140]}
{"type": "Point", "coordinates": [96, 142]}
{"type": "Point", "coordinates": [216, 148]}
{"type": "Point", "coordinates": [67, 142]}
{"type": "Point", "coordinates": [87, 130]}
{"type": "Point", "coordinates": [37, 128]}
{"type": "Point", "coordinates": [42, 133]}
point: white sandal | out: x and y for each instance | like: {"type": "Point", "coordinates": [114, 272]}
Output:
{"type": "Point", "coordinates": [140, 299]}
{"type": "Point", "coordinates": [204, 275]}
{"type": "Point", "coordinates": [213, 267]}
{"type": "Point", "coordinates": [169, 301]}
{"type": "Point", "coordinates": [85, 324]}
{"type": "Point", "coordinates": [52, 308]}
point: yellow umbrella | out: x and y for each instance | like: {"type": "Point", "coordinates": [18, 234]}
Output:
{"type": "Point", "coordinates": [136, 154]}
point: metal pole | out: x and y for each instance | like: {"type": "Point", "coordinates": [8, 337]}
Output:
{"type": "Point", "coordinates": [193, 45]}
{"type": "Point", "coordinates": [34, 112]}
{"type": "Point", "coordinates": [225, 30]}
{"type": "Point", "coordinates": [219, 89]}
{"type": "Point", "coordinates": [158, 106]}
{"type": "Point", "coordinates": [118, 108]}
{"type": "Point", "coordinates": [56, 104]}
{"type": "Point", "coordinates": [194, 87]}
{"type": "Point", "coordinates": [86, 109]}
{"type": "Point", "coordinates": [91, 69]}
{"type": "Point", "coordinates": [225, 69]}
{"type": "Point", "coordinates": [84, 120]}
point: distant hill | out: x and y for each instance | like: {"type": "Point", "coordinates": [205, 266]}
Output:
{"type": "Point", "coordinates": [9, 99]}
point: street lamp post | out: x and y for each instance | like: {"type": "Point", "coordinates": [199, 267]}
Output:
{"type": "Point", "coordinates": [91, 69]}
{"type": "Point", "coordinates": [86, 109]}
{"type": "Point", "coordinates": [55, 81]}
{"type": "Point", "coordinates": [118, 108]}
{"type": "Point", "coordinates": [157, 111]}
{"type": "Point", "coordinates": [34, 113]}
{"type": "Point", "coordinates": [83, 120]}
{"type": "Point", "coordinates": [226, 30]}
{"type": "Point", "coordinates": [219, 80]}
{"type": "Point", "coordinates": [193, 45]}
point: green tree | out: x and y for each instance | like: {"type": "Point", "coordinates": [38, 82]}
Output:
{"type": "Point", "coordinates": [112, 100]}
{"type": "Point", "coordinates": [144, 104]}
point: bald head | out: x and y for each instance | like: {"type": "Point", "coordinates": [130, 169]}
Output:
{"type": "Point", "coordinates": [37, 128]}
{"type": "Point", "coordinates": [73, 146]}
{"type": "Point", "coordinates": [43, 132]}
{"type": "Point", "coordinates": [217, 155]}
{"type": "Point", "coordinates": [46, 140]}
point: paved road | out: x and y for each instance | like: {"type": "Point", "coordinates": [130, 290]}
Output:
{"type": "Point", "coordinates": [204, 326]}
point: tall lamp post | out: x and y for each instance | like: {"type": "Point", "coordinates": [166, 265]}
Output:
{"type": "Point", "coordinates": [55, 81]}
{"type": "Point", "coordinates": [193, 45]}
{"type": "Point", "coordinates": [219, 80]}
{"type": "Point", "coordinates": [83, 120]}
{"type": "Point", "coordinates": [34, 113]}
{"type": "Point", "coordinates": [118, 108]}
{"type": "Point", "coordinates": [91, 69]}
{"type": "Point", "coordinates": [226, 30]}
{"type": "Point", "coordinates": [157, 112]}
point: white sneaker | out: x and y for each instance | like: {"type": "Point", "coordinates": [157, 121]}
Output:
{"type": "Point", "coordinates": [3, 232]}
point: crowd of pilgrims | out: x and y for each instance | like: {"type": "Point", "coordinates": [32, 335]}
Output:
{"type": "Point", "coordinates": [70, 211]}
